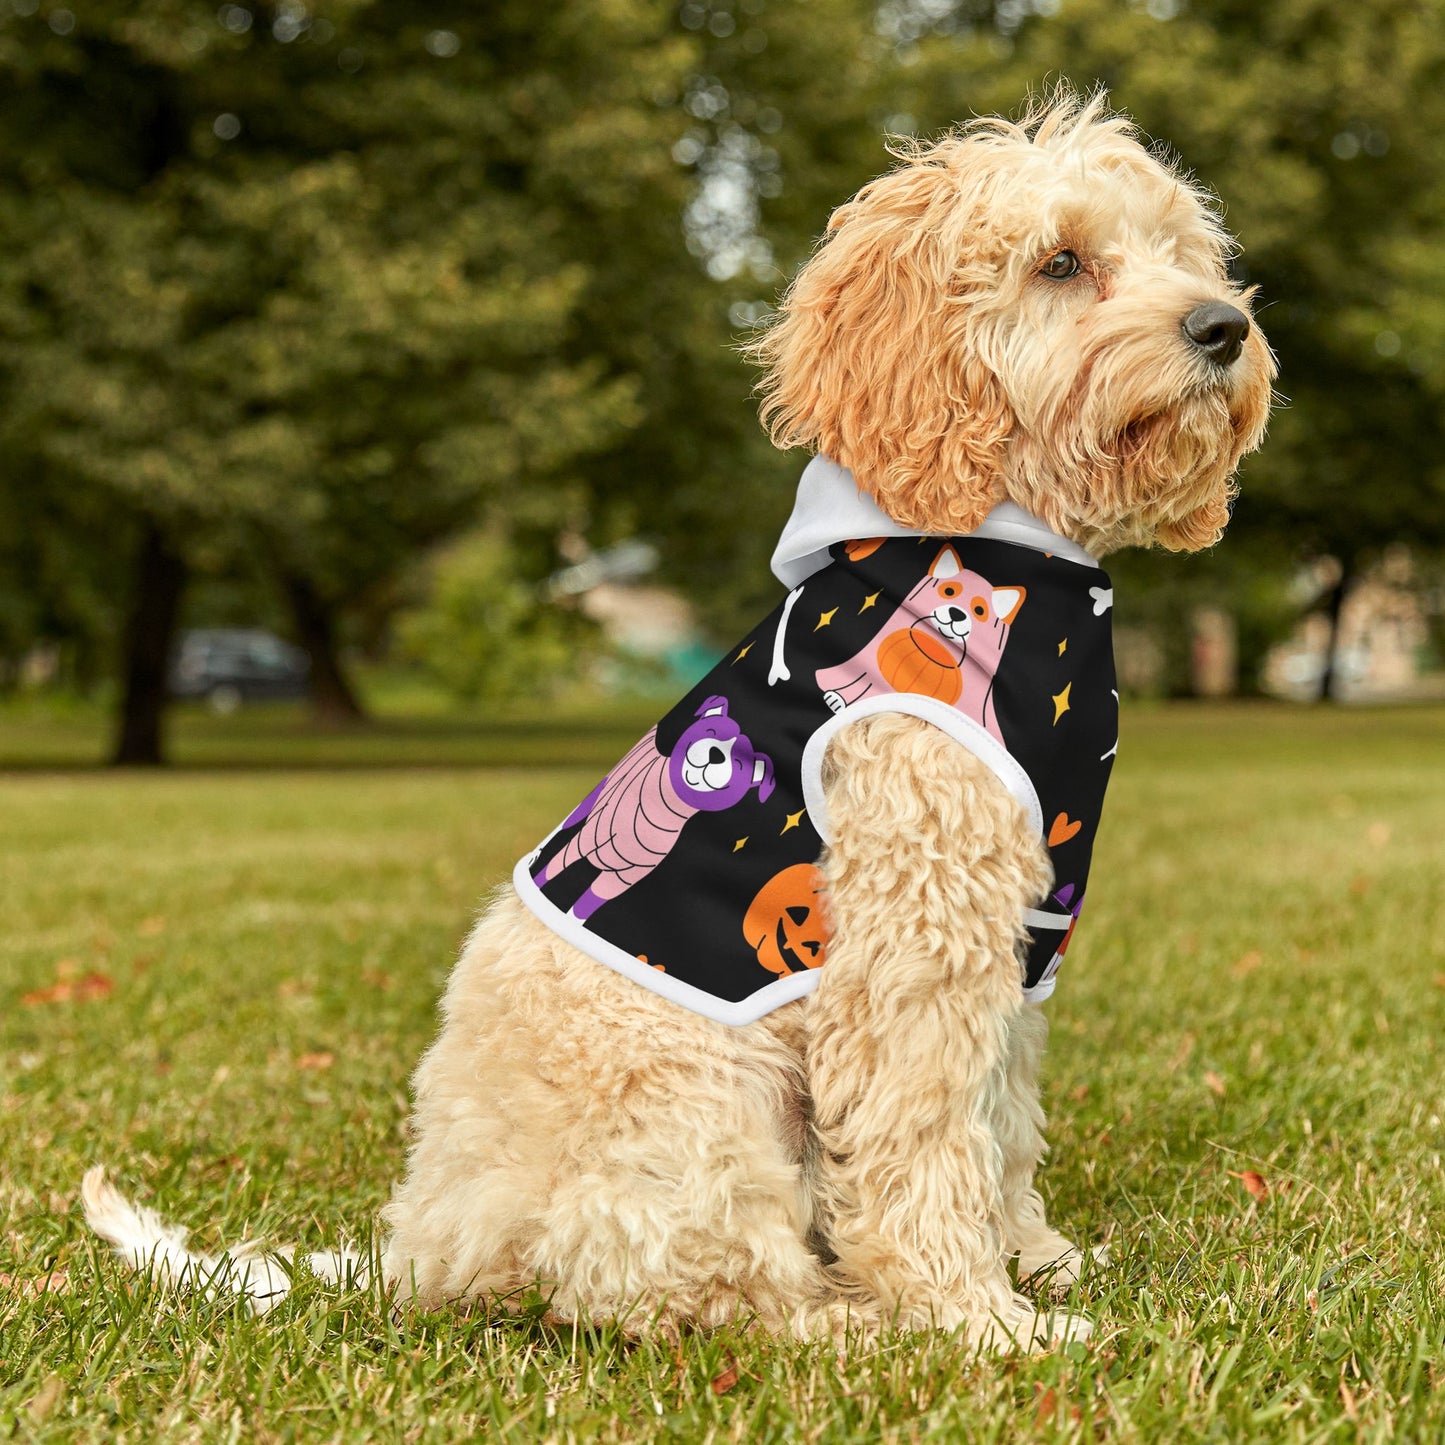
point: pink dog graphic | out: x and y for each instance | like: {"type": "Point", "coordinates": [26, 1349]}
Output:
{"type": "Point", "coordinates": [951, 617]}
{"type": "Point", "coordinates": [632, 818]}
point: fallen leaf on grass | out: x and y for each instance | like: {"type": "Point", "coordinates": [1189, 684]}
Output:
{"type": "Point", "coordinates": [1440, 980]}
{"type": "Point", "coordinates": [151, 927]}
{"type": "Point", "coordinates": [1377, 834]}
{"type": "Point", "coordinates": [1214, 1083]}
{"type": "Point", "coordinates": [1047, 1406]}
{"type": "Point", "coordinates": [724, 1382]}
{"type": "Point", "coordinates": [322, 1059]}
{"type": "Point", "coordinates": [56, 1282]}
{"type": "Point", "coordinates": [377, 978]}
{"type": "Point", "coordinates": [1347, 1399]}
{"type": "Point", "coordinates": [66, 990]}
{"type": "Point", "coordinates": [1255, 1184]}
{"type": "Point", "coordinates": [1079, 1094]}
{"type": "Point", "coordinates": [1181, 1054]}
{"type": "Point", "coordinates": [1247, 963]}
{"type": "Point", "coordinates": [45, 1399]}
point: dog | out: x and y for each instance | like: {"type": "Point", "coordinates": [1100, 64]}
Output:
{"type": "Point", "coordinates": [1024, 325]}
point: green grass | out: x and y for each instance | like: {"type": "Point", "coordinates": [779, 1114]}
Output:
{"type": "Point", "coordinates": [1257, 986]}
{"type": "Point", "coordinates": [407, 728]}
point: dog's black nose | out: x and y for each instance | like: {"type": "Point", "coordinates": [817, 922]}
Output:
{"type": "Point", "coordinates": [956, 614]}
{"type": "Point", "coordinates": [1218, 330]}
{"type": "Point", "coordinates": [716, 755]}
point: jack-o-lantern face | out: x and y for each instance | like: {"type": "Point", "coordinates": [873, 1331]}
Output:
{"type": "Point", "coordinates": [784, 923]}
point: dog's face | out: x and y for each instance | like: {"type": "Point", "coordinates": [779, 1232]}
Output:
{"type": "Point", "coordinates": [957, 600]}
{"type": "Point", "coordinates": [714, 765]}
{"type": "Point", "coordinates": [1039, 312]}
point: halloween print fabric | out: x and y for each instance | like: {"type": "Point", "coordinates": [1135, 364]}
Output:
{"type": "Point", "coordinates": [692, 866]}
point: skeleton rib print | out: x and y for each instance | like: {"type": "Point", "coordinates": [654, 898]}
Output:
{"type": "Point", "coordinates": [634, 822]}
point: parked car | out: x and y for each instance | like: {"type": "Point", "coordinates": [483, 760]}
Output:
{"type": "Point", "coordinates": [230, 665]}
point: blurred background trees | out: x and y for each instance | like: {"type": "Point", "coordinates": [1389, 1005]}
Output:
{"type": "Point", "coordinates": [293, 295]}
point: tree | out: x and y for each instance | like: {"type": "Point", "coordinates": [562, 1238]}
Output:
{"type": "Point", "coordinates": [291, 283]}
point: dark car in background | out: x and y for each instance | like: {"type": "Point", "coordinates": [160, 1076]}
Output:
{"type": "Point", "coordinates": [228, 666]}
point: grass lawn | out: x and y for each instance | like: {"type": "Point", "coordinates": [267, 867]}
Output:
{"type": "Point", "coordinates": [216, 980]}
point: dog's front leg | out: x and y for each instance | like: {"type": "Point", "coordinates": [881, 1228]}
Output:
{"type": "Point", "coordinates": [1019, 1125]}
{"type": "Point", "coordinates": [930, 870]}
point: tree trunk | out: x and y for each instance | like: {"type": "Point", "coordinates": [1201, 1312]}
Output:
{"type": "Point", "coordinates": [1329, 676]}
{"type": "Point", "coordinates": [160, 578]}
{"type": "Point", "coordinates": [333, 699]}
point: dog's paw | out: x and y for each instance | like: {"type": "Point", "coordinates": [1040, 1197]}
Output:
{"type": "Point", "coordinates": [1056, 1269]}
{"type": "Point", "coordinates": [835, 703]}
{"type": "Point", "coordinates": [1023, 1326]}
{"type": "Point", "coordinates": [1059, 1328]}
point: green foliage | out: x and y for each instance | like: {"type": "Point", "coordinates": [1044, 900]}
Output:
{"type": "Point", "coordinates": [321, 287]}
{"type": "Point", "coordinates": [1251, 989]}
{"type": "Point", "coordinates": [1247, 577]}
{"type": "Point", "coordinates": [486, 634]}
{"type": "Point", "coordinates": [318, 288]}
{"type": "Point", "coordinates": [303, 297]}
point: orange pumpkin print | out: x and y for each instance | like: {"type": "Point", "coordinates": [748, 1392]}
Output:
{"type": "Point", "coordinates": [918, 660]}
{"type": "Point", "coordinates": [784, 923]}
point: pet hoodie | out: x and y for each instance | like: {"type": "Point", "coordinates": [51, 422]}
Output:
{"type": "Point", "coordinates": [691, 867]}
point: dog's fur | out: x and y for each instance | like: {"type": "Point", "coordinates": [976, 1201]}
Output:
{"type": "Point", "coordinates": [865, 1155]}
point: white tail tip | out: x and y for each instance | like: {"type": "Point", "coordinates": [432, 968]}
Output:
{"type": "Point", "coordinates": [148, 1244]}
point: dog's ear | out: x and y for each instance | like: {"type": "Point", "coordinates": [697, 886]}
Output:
{"type": "Point", "coordinates": [875, 358]}
{"type": "Point", "coordinates": [1006, 603]}
{"type": "Point", "coordinates": [946, 564]}
{"type": "Point", "coordinates": [763, 776]}
{"type": "Point", "coordinates": [713, 707]}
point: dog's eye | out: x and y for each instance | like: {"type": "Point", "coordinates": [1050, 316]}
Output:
{"type": "Point", "coordinates": [980, 607]}
{"type": "Point", "coordinates": [949, 589]}
{"type": "Point", "coordinates": [1060, 266]}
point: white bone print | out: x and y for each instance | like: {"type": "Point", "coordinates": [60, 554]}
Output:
{"type": "Point", "coordinates": [1114, 751]}
{"type": "Point", "coordinates": [779, 670]}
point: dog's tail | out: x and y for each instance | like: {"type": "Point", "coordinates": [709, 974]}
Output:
{"type": "Point", "coordinates": [147, 1243]}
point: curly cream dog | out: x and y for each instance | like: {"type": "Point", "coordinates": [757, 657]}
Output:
{"type": "Point", "coordinates": [1012, 314]}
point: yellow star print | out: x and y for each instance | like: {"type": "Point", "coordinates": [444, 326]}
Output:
{"type": "Point", "coordinates": [793, 820]}
{"type": "Point", "coordinates": [743, 653]}
{"type": "Point", "coordinates": [826, 617]}
{"type": "Point", "coordinates": [868, 602]}
{"type": "Point", "coordinates": [1063, 647]}
{"type": "Point", "coordinates": [740, 843]}
{"type": "Point", "coordinates": [1061, 702]}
